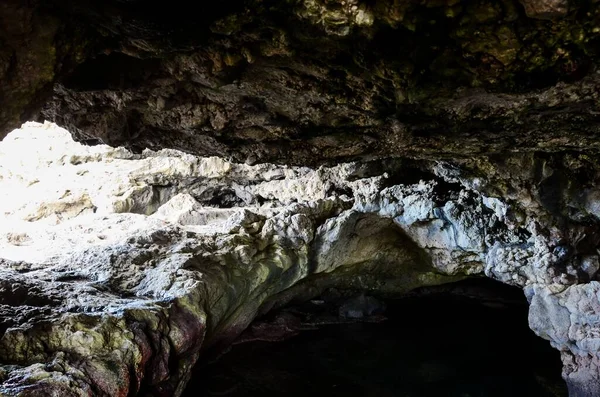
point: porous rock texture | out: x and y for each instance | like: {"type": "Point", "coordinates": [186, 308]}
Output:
{"type": "Point", "coordinates": [120, 269]}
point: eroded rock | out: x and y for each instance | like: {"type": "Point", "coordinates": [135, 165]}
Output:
{"type": "Point", "coordinates": [307, 82]}
{"type": "Point", "coordinates": [104, 300]}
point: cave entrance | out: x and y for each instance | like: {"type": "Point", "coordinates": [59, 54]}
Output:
{"type": "Point", "coordinates": [468, 339]}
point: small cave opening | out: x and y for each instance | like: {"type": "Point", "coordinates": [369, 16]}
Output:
{"type": "Point", "coordinates": [466, 339]}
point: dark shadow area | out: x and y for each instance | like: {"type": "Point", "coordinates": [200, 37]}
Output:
{"type": "Point", "coordinates": [467, 340]}
{"type": "Point", "coordinates": [111, 72]}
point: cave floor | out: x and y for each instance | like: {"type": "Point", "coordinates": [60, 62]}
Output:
{"type": "Point", "coordinates": [437, 345]}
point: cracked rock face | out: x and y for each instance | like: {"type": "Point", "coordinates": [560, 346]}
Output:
{"type": "Point", "coordinates": [122, 268]}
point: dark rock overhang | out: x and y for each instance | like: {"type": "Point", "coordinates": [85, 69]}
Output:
{"type": "Point", "coordinates": [310, 81]}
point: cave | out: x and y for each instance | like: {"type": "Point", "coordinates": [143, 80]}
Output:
{"type": "Point", "coordinates": [184, 183]}
{"type": "Point", "coordinates": [164, 254]}
{"type": "Point", "coordinates": [454, 340]}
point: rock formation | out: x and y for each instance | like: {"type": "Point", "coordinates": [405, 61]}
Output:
{"type": "Point", "coordinates": [307, 81]}
{"type": "Point", "coordinates": [372, 145]}
{"type": "Point", "coordinates": [121, 268]}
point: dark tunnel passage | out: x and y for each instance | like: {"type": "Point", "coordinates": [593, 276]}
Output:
{"type": "Point", "coordinates": [468, 339]}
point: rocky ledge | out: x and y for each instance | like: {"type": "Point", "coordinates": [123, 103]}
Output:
{"type": "Point", "coordinates": [121, 269]}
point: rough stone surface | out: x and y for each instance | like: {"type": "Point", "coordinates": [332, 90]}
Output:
{"type": "Point", "coordinates": [308, 81]}
{"type": "Point", "coordinates": [122, 268]}
{"type": "Point", "coordinates": [35, 49]}
{"type": "Point", "coordinates": [546, 9]}
{"type": "Point", "coordinates": [570, 321]}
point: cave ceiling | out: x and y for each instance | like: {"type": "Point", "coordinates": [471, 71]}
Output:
{"type": "Point", "coordinates": [307, 82]}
